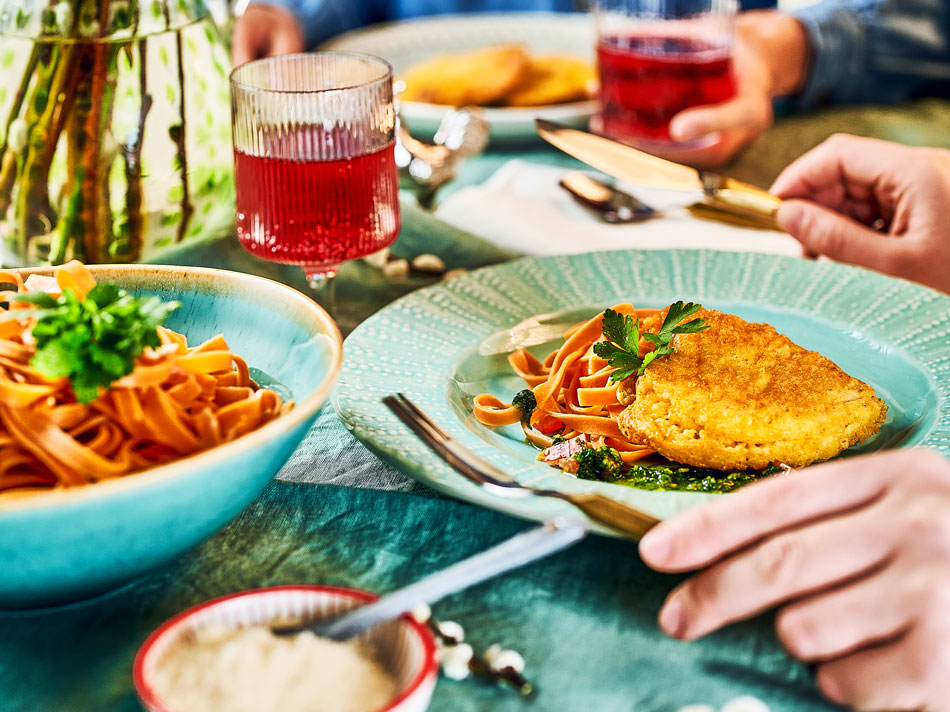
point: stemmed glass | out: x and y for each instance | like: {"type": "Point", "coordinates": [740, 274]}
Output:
{"type": "Point", "coordinates": [314, 163]}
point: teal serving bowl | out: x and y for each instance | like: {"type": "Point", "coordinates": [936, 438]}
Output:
{"type": "Point", "coordinates": [67, 544]}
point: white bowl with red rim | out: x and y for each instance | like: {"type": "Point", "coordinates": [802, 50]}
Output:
{"type": "Point", "coordinates": [405, 648]}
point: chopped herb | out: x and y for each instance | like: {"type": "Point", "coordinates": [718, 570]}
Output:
{"type": "Point", "coordinates": [602, 463]}
{"type": "Point", "coordinates": [526, 401]}
{"type": "Point", "coordinates": [622, 348]}
{"type": "Point", "coordinates": [678, 477]}
{"type": "Point", "coordinates": [94, 341]}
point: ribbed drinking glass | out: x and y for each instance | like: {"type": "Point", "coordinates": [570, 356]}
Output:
{"type": "Point", "coordinates": [656, 58]}
{"type": "Point", "coordinates": [314, 164]}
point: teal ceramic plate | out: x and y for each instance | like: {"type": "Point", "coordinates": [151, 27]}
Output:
{"type": "Point", "coordinates": [890, 333]}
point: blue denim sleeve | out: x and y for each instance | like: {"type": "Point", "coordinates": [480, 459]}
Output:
{"type": "Point", "coordinates": [874, 51]}
{"type": "Point", "coordinates": [321, 19]}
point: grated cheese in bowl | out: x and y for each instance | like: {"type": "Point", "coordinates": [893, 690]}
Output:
{"type": "Point", "coordinates": [220, 668]}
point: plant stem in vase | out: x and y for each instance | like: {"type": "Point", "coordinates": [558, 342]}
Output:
{"type": "Point", "coordinates": [95, 159]}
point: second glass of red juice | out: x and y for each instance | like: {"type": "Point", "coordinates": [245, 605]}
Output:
{"type": "Point", "coordinates": [656, 58]}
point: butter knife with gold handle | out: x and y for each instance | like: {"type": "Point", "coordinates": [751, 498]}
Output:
{"type": "Point", "coordinates": [618, 160]}
{"type": "Point", "coordinates": [607, 512]}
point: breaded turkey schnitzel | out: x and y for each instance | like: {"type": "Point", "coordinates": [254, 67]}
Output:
{"type": "Point", "coordinates": [741, 396]}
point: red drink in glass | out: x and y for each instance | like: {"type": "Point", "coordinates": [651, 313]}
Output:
{"type": "Point", "coordinates": [316, 214]}
{"type": "Point", "coordinates": [646, 80]}
{"type": "Point", "coordinates": [314, 161]}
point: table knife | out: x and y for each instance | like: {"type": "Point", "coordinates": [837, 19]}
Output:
{"type": "Point", "coordinates": [624, 162]}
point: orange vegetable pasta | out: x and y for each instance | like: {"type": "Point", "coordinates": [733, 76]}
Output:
{"type": "Point", "coordinates": [177, 401]}
{"type": "Point", "coordinates": [573, 392]}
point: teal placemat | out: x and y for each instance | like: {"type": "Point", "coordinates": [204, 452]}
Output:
{"type": "Point", "coordinates": [584, 619]}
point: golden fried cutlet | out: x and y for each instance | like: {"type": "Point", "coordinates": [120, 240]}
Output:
{"type": "Point", "coordinates": [741, 396]}
{"type": "Point", "coordinates": [483, 76]}
{"type": "Point", "coordinates": [552, 79]}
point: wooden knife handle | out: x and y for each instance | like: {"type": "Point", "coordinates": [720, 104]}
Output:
{"type": "Point", "coordinates": [613, 514]}
{"type": "Point", "coordinates": [729, 215]}
{"type": "Point", "coordinates": [738, 198]}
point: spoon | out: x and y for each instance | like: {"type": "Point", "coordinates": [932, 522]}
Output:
{"type": "Point", "coordinates": [610, 204]}
{"type": "Point", "coordinates": [512, 553]}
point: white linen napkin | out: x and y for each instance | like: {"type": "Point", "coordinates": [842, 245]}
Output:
{"type": "Point", "coordinates": [521, 207]}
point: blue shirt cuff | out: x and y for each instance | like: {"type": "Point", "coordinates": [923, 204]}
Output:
{"type": "Point", "coordinates": [838, 40]}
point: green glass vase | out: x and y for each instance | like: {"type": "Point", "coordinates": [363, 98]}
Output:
{"type": "Point", "coordinates": [115, 137]}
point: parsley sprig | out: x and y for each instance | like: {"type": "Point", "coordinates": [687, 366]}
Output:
{"type": "Point", "coordinates": [93, 341]}
{"type": "Point", "coordinates": [622, 348]}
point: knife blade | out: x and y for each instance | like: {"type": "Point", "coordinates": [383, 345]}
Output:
{"type": "Point", "coordinates": [627, 163]}
{"type": "Point", "coordinates": [619, 160]}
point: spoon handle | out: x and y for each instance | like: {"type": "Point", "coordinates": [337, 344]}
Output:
{"type": "Point", "coordinates": [517, 551]}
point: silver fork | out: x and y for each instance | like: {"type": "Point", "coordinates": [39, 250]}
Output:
{"type": "Point", "coordinates": [608, 512]}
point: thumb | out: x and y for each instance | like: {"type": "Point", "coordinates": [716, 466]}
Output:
{"type": "Point", "coordinates": [824, 232]}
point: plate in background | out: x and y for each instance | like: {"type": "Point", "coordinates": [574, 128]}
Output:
{"type": "Point", "coordinates": [407, 42]}
{"type": "Point", "coordinates": [890, 333]}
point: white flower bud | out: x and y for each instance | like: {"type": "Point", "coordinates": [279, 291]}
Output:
{"type": "Point", "coordinates": [499, 659]}
{"type": "Point", "coordinates": [396, 270]}
{"type": "Point", "coordinates": [455, 660]}
{"type": "Point", "coordinates": [18, 135]}
{"type": "Point", "coordinates": [432, 264]}
{"type": "Point", "coordinates": [697, 708]}
{"type": "Point", "coordinates": [421, 612]}
{"type": "Point", "coordinates": [378, 259]}
{"type": "Point", "coordinates": [451, 631]}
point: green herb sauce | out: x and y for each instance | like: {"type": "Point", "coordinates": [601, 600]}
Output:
{"type": "Point", "coordinates": [683, 478]}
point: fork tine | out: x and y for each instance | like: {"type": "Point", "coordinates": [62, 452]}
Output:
{"type": "Point", "coordinates": [402, 408]}
{"type": "Point", "coordinates": [405, 402]}
{"type": "Point", "coordinates": [454, 453]}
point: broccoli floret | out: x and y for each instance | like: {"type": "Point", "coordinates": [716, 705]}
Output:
{"type": "Point", "coordinates": [527, 402]}
{"type": "Point", "coordinates": [603, 463]}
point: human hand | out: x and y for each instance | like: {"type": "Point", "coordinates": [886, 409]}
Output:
{"type": "Point", "coordinates": [856, 556]}
{"type": "Point", "coordinates": [769, 59]}
{"type": "Point", "coordinates": [836, 191]}
{"type": "Point", "coordinates": [264, 31]}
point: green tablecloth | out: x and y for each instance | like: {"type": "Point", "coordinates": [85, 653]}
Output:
{"type": "Point", "coordinates": [584, 620]}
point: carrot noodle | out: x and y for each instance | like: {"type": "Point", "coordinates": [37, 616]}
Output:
{"type": "Point", "coordinates": [572, 388]}
{"type": "Point", "coordinates": [178, 400]}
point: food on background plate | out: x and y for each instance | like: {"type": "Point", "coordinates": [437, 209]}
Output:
{"type": "Point", "coordinates": [218, 668]}
{"type": "Point", "coordinates": [553, 79]}
{"type": "Point", "coordinates": [482, 76]}
{"type": "Point", "coordinates": [92, 386]}
{"type": "Point", "coordinates": [504, 75]}
{"type": "Point", "coordinates": [722, 401]}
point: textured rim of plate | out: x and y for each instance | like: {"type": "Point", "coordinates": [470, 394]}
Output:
{"type": "Point", "coordinates": [438, 32]}
{"type": "Point", "coordinates": [413, 345]}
